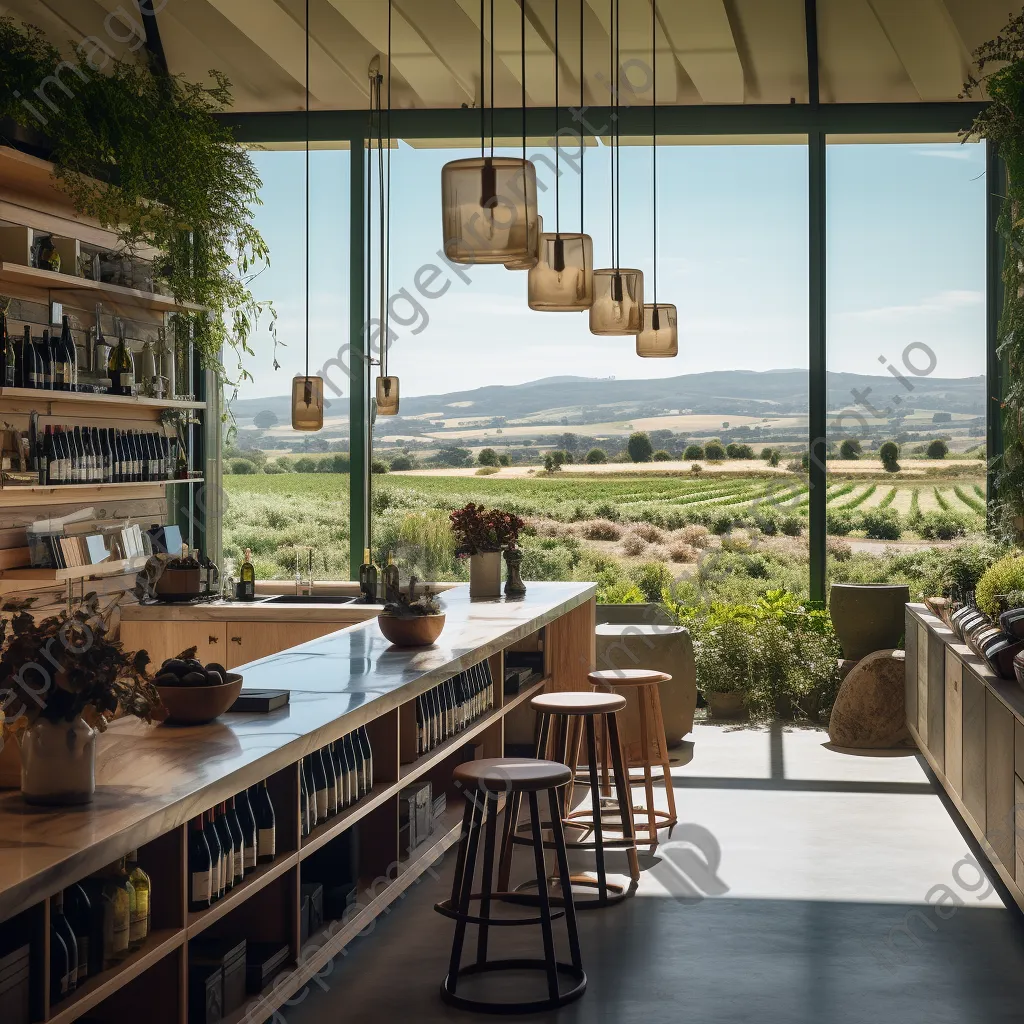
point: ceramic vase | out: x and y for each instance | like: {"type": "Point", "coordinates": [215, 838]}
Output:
{"type": "Point", "coordinates": [514, 585]}
{"type": "Point", "coordinates": [58, 763]}
{"type": "Point", "coordinates": [485, 575]}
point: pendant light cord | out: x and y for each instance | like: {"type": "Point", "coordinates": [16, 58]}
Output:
{"type": "Point", "coordinates": [492, 79]}
{"type": "Point", "coordinates": [611, 147]}
{"type": "Point", "coordinates": [386, 228]}
{"type": "Point", "coordinates": [483, 91]}
{"type": "Point", "coordinates": [307, 188]}
{"type": "Point", "coordinates": [522, 71]}
{"type": "Point", "coordinates": [654, 139]}
{"type": "Point", "coordinates": [557, 201]}
{"type": "Point", "coordinates": [617, 132]}
{"type": "Point", "coordinates": [583, 148]}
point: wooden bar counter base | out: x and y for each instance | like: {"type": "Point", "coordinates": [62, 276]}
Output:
{"type": "Point", "coordinates": [152, 780]}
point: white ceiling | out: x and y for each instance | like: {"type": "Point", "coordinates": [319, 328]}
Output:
{"type": "Point", "coordinates": [709, 51]}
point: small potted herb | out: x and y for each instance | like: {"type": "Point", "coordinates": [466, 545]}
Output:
{"type": "Point", "coordinates": [411, 621]}
{"type": "Point", "coordinates": [62, 679]}
{"type": "Point", "coordinates": [480, 536]}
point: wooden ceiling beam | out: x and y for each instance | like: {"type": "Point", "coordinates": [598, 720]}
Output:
{"type": "Point", "coordinates": [701, 38]}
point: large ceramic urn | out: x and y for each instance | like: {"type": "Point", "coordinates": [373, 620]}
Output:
{"type": "Point", "coordinates": [867, 617]}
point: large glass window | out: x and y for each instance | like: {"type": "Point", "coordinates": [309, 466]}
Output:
{"type": "Point", "coordinates": [906, 357]}
{"type": "Point", "coordinates": [287, 492]}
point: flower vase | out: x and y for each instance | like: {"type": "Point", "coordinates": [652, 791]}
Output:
{"type": "Point", "coordinates": [514, 585]}
{"type": "Point", "coordinates": [485, 575]}
{"type": "Point", "coordinates": [58, 763]}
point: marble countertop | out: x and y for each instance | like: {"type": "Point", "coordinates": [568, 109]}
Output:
{"type": "Point", "coordinates": [251, 611]}
{"type": "Point", "coordinates": [151, 780]}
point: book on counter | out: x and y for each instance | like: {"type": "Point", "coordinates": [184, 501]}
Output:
{"type": "Point", "coordinates": [260, 701]}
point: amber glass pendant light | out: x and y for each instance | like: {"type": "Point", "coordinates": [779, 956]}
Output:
{"type": "Point", "coordinates": [562, 281]}
{"type": "Point", "coordinates": [618, 307]}
{"type": "Point", "coordinates": [659, 338]}
{"type": "Point", "coordinates": [534, 230]}
{"type": "Point", "coordinates": [386, 386]}
{"type": "Point", "coordinates": [489, 202]}
{"type": "Point", "coordinates": [307, 391]}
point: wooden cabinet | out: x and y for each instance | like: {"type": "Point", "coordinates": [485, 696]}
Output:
{"type": "Point", "coordinates": [1018, 811]}
{"type": "Point", "coordinates": [999, 778]}
{"type": "Point", "coordinates": [974, 746]}
{"type": "Point", "coordinates": [248, 641]}
{"type": "Point", "coordinates": [954, 725]}
{"type": "Point", "coordinates": [936, 683]}
{"type": "Point", "coordinates": [166, 639]}
{"type": "Point", "coordinates": [911, 633]}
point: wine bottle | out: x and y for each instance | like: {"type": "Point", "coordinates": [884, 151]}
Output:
{"type": "Point", "coordinates": [133, 899]}
{"type": "Point", "coordinates": [78, 910]}
{"type": "Point", "coordinates": [122, 365]}
{"type": "Point", "coordinates": [306, 766]}
{"type": "Point", "coordinates": [88, 462]}
{"type": "Point", "coordinates": [263, 811]}
{"type": "Point", "coordinates": [248, 824]}
{"type": "Point", "coordinates": [338, 763]}
{"type": "Point", "coordinates": [45, 366]}
{"type": "Point", "coordinates": [50, 458]}
{"type": "Point", "coordinates": [10, 359]}
{"type": "Point", "coordinates": [60, 966]}
{"type": "Point", "coordinates": [357, 759]}
{"type": "Point", "coordinates": [420, 727]}
{"type": "Point", "coordinates": [67, 340]}
{"type": "Point", "coordinates": [117, 899]}
{"type": "Point", "coordinates": [29, 360]}
{"type": "Point", "coordinates": [138, 928]}
{"type": "Point", "coordinates": [216, 855]}
{"type": "Point", "coordinates": [227, 845]}
{"type": "Point", "coordinates": [319, 785]}
{"type": "Point", "coordinates": [200, 868]}
{"type": "Point", "coordinates": [57, 372]}
{"type": "Point", "coordinates": [180, 463]}
{"type": "Point", "coordinates": [364, 739]}
{"type": "Point", "coordinates": [351, 781]}
{"type": "Point", "coordinates": [237, 839]}
{"type": "Point", "coordinates": [20, 368]}
{"type": "Point", "coordinates": [64, 455]}
{"type": "Point", "coordinates": [367, 579]}
{"type": "Point", "coordinates": [247, 578]}
{"type": "Point", "coordinates": [304, 825]}
{"type": "Point", "coordinates": [332, 782]}
{"type": "Point", "coordinates": [60, 923]}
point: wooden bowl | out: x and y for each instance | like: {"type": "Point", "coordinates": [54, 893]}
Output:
{"type": "Point", "coordinates": [194, 705]}
{"type": "Point", "coordinates": [415, 631]}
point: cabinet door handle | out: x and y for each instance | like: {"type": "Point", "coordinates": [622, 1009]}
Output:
{"type": "Point", "coordinates": [214, 639]}
{"type": "Point", "coordinates": [236, 640]}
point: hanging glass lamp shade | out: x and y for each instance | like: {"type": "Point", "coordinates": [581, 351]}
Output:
{"type": "Point", "coordinates": [490, 209]}
{"type": "Point", "coordinates": [530, 261]}
{"type": "Point", "coordinates": [563, 279]}
{"type": "Point", "coordinates": [387, 396]}
{"type": "Point", "coordinates": [618, 307]}
{"type": "Point", "coordinates": [307, 403]}
{"type": "Point", "coordinates": [660, 337]}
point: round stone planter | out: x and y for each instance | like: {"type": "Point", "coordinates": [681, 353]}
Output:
{"type": "Point", "coordinates": [58, 763]}
{"type": "Point", "coordinates": [867, 617]}
{"type": "Point", "coordinates": [726, 705]}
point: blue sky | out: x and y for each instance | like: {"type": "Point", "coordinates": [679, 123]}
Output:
{"type": "Point", "coordinates": [905, 264]}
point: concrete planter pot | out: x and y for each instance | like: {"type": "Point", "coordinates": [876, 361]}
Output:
{"type": "Point", "coordinates": [485, 575]}
{"type": "Point", "coordinates": [867, 617]}
{"type": "Point", "coordinates": [726, 705]}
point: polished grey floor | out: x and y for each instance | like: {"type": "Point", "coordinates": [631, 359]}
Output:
{"type": "Point", "coordinates": [803, 886]}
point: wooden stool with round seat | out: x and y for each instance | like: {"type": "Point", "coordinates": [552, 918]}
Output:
{"type": "Point", "coordinates": [647, 747]}
{"type": "Point", "coordinates": [483, 783]}
{"type": "Point", "coordinates": [574, 714]}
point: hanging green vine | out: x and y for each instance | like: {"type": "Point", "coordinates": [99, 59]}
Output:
{"type": "Point", "coordinates": [140, 151]}
{"type": "Point", "coordinates": [1001, 123]}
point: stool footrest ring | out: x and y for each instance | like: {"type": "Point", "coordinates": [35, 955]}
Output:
{"type": "Point", "coordinates": [537, 1006]}
{"type": "Point", "coordinates": [445, 909]}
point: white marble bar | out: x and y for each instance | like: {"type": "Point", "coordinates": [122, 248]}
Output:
{"type": "Point", "coordinates": [152, 779]}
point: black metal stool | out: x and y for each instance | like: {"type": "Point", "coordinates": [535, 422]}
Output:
{"type": "Point", "coordinates": [483, 783]}
{"type": "Point", "coordinates": [574, 713]}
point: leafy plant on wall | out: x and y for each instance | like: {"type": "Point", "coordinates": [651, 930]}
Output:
{"type": "Point", "coordinates": [141, 152]}
{"type": "Point", "coordinates": [1001, 123]}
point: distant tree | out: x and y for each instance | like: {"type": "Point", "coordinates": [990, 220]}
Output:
{"type": "Point", "coordinates": [662, 456]}
{"type": "Point", "coordinates": [714, 451]}
{"type": "Point", "coordinates": [639, 447]}
{"type": "Point", "coordinates": [725, 425]}
{"type": "Point", "coordinates": [305, 465]}
{"type": "Point", "coordinates": [850, 449]}
{"type": "Point", "coordinates": [596, 456]}
{"type": "Point", "coordinates": [551, 464]}
{"type": "Point", "coordinates": [284, 462]}
{"type": "Point", "coordinates": [942, 417]}
{"type": "Point", "coordinates": [696, 469]}
{"type": "Point", "coordinates": [504, 459]}
{"type": "Point", "coordinates": [739, 451]}
{"type": "Point", "coordinates": [694, 451]}
{"type": "Point", "coordinates": [242, 467]}
{"type": "Point", "coordinates": [937, 449]}
{"type": "Point", "coordinates": [378, 466]}
{"type": "Point", "coordinates": [766, 453]}
{"type": "Point", "coordinates": [400, 463]}
{"type": "Point", "coordinates": [569, 442]}
{"type": "Point", "coordinates": [559, 458]}
{"type": "Point", "coordinates": [487, 457]}
{"type": "Point", "coordinates": [889, 453]}
{"type": "Point", "coordinates": [265, 419]}
{"type": "Point", "coordinates": [773, 457]}
{"type": "Point", "coordinates": [453, 456]}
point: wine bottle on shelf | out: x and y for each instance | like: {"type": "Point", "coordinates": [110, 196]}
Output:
{"type": "Point", "coordinates": [304, 826]}
{"type": "Point", "coordinates": [133, 899]}
{"type": "Point", "coordinates": [116, 903]}
{"type": "Point", "coordinates": [10, 358]}
{"type": "Point", "coordinates": [50, 456]}
{"type": "Point", "coordinates": [364, 739]}
{"type": "Point", "coordinates": [200, 868]}
{"type": "Point", "coordinates": [367, 579]}
{"type": "Point", "coordinates": [121, 365]}
{"type": "Point", "coordinates": [306, 766]}
{"type": "Point", "coordinates": [20, 367]}
{"type": "Point", "coordinates": [43, 368]}
{"type": "Point", "coordinates": [107, 443]}
{"type": "Point", "coordinates": [338, 762]}
{"type": "Point", "coordinates": [217, 856]}
{"type": "Point", "coordinates": [60, 924]}
{"type": "Point", "coordinates": [263, 811]}
{"type": "Point", "coordinates": [420, 726]}
{"type": "Point", "coordinates": [350, 768]}
{"type": "Point", "coordinates": [60, 966]}
{"type": "Point", "coordinates": [67, 340]}
{"type": "Point", "coordinates": [237, 840]}
{"type": "Point", "coordinates": [78, 910]}
{"type": "Point", "coordinates": [138, 928]}
{"type": "Point", "coordinates": [357, 758]}
{"type": "Point", "coordinates": [332, 782]}
{"type": "Point", "coordinates": [247, 822]}
{"type": "Point", "coordinates": [58, 378]}
{"type": "Point", "coordinates": [319, 785]}
{"type": "Point", "coordinates": [181, 463]}
{"type": "Point", "coordinates": [227, 845]}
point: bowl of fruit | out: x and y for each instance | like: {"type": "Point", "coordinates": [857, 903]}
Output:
{"type": "Point", "coordinates": [194, 693]}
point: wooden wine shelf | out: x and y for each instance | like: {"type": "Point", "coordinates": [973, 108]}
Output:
{"type": "Point", "coordinates": [90, 399]}
{"type": "Point", "coordinates": [258, 879]}
{"type": "Point", "coordinates": [79, 488]}
{"type": "Point", "coordinates": [54, 282]}
{"type": "Point", "coordinates": [105, 984]}
{"type": "Point", "coordinates": [77, 572]}
{"type": "Point", "coordinates": [333, 827]}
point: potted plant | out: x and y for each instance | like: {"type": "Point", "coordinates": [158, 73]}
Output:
{"type": "Point", "coordinates": [723, 658]}
{"type": "Point", "coordinates": [480, 535]}
{"type": "Point", "coordinates": [411, 621]}
{"type": "Point", "coordinates": [64, 679]}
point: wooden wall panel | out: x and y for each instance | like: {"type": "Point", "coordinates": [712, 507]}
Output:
{"type": "Point", "coordinates": [571, 647]}
{"type": "Point", "coordinates": [954, 723]}
{"type": "Point", "coordinates": [974, 746]}
{"type": "Point", "coordinates": [999, 778]}
{"type": "Point", "coordinates": [936, 697]}
{"type": "Point", "coordinates": [910, 692]}
{"type": "Point", "coordinates": [922, 683]}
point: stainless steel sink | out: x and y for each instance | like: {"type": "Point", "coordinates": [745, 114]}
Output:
{"type": "Point", "coordinates": [310, 599]}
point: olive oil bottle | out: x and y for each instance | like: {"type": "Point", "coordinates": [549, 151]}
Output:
{"type": "Point", "coordinates": [367, 579]}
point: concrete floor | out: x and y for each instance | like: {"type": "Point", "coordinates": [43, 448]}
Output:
{"type": "Point", "coordinates": [802, 885]}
